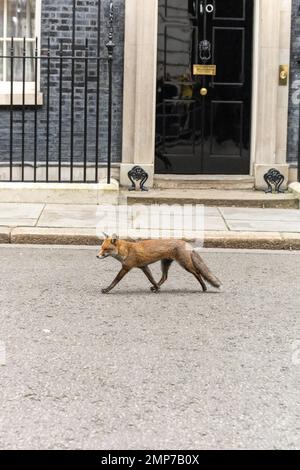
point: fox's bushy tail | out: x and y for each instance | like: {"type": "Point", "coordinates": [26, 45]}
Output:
{"type": "Point", "coordinates": [201, 267]}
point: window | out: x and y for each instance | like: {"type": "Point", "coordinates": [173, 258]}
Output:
{"type": "Point", "coordinates": [18, 19]}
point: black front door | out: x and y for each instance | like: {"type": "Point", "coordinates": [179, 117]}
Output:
{"type": "Point", "coordinates": [203, 121]}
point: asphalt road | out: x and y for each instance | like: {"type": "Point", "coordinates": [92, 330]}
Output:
{"type": "Point", "coordinates": [136, 370]}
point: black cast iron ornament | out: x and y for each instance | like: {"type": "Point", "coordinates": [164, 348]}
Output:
{"type": "Point", "coordinates": [137, 173]}
{"type": "Point", "coordinates": [205, 50]}
{"type": "Point", "coordinates": [274, 177]}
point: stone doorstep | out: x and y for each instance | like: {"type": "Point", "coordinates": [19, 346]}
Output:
{"type": "Point", "coordinates": [80, 236]}
{"type": "Point", "coordinates": [216, 198]}
{"type": "Point", "coordinates": [218, 182]}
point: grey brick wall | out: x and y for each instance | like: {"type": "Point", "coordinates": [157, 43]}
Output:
{"type": "Point", "coordinates": [57, 24]}
{"type": "Point", "coordinates": [294, 101]}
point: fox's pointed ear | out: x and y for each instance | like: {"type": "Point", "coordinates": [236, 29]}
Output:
{"type": "Point", "coordinates": [105, 234]}
{"type": "Point", "coordinates": [114, 239]}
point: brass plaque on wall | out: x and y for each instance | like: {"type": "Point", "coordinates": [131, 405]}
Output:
{"type": "Point", "coordinates": [205, 70]}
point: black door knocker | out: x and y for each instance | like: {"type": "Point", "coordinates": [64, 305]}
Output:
{"type": "Point", "coordinates": [205, 50]}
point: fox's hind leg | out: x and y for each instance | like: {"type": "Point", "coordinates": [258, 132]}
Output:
{"type": "Point", "coordinates": [186, 263]}
{"type": "Point", "coordinates": [200, 279]}
{"type": "Point", "coordinates": [146, 270]}
{"type": "Point", "coordinates": [165, 266]}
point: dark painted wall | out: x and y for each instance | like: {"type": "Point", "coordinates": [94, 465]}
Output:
{"type": "Point", "coordinates": [57, 24]}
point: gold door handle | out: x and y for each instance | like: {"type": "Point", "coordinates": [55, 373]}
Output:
{"type": "Point", "coordinates": [203, 91]}
{"type": "Point", "coordinates": [283, 75]}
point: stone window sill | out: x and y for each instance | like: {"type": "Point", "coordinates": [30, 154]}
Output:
{"type": "Point", "coordinates": [5, 99]}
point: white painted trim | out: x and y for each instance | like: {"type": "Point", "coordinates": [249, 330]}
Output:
{"type": "Point", "coordinates": [255, 84]}
{"type": "Point", "coordinates": [139, 97]}
{"type": "Point", "coordinates": [5, 86]}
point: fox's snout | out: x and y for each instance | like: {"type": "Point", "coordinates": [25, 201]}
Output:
{"type": "Point", "coordinates": [102, 255]}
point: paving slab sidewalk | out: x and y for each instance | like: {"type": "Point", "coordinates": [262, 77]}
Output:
{"type": "Point", "coordinates": [76, 224]}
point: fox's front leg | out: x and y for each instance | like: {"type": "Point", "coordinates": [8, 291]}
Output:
{"type": "Point", "coordinates": [116, 281]}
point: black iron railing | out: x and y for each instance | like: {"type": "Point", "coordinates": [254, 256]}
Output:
{"type": "Point", "coordinates": [68, 137]}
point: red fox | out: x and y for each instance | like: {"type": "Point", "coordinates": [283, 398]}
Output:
{"type": "Point", "coordinates": [142, 254]}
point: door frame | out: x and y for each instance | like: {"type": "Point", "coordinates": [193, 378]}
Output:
{"type": "Point", "coordinates": [271, 46]}
{"type": "Point", "coordinates": [255, 83]}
